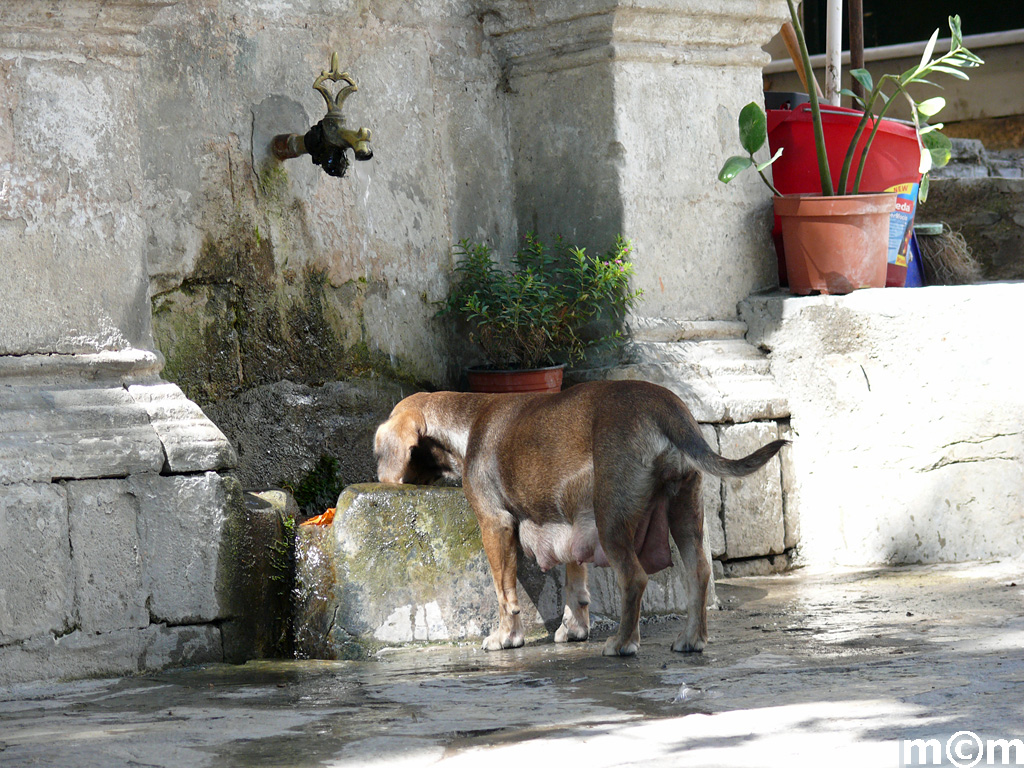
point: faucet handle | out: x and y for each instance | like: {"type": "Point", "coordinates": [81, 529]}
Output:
{"type": "Point", "coordinates": [334, 101]}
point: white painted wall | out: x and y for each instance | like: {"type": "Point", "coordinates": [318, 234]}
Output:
{"type": "Point", "coordinates": [908, 420]}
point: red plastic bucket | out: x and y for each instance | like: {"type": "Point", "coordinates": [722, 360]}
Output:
{"type": "Point", "coordinates": [892, 166]}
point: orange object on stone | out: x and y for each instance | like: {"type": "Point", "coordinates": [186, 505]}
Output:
{"type": "Point", "coordinates": [325, 519]}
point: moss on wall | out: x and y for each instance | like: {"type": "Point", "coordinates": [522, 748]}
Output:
{"type": "Point", "coordinates": [245, 317]}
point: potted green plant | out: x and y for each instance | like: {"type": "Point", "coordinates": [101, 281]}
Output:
{"type": "Point", "coordinates": [544, 312]}
{"type": "Point", "coordinates": [836, 259]}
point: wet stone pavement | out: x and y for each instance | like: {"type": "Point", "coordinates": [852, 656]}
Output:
{"type": "Point", "coordinates": [801, 669]}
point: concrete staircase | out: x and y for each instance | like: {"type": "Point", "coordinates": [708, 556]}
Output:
{"type": "Point", "coordinates": [728, 385]}
{"type": "Point", "coordinates": [709, 364]}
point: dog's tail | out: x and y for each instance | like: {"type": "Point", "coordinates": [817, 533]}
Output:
{"type": "Point", "coordinates": [714, 464]}
{"type": "Point", "coordinates": [684, 432]}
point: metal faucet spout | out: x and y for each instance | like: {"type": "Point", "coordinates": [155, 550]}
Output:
{"type": "Point", "coordinates": [327, 141]}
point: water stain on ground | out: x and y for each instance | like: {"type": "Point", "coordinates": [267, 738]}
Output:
{"type": "Point", "coordinates": [840, 664]}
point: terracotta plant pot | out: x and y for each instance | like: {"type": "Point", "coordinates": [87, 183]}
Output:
{"type": "Point", "coordinates": [835, 244]}
{"type": "Point", "coordinates": [531, 380]}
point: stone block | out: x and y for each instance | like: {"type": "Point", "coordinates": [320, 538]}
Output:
{"type": "Point", "coordinates": [711, 489]}
{"type": "Point", "coordinates": [182, 522]}
{"type": "Point", "coordinates": [752, 505]}
{"type": "Point", "coordinates": [121, 652]}
{"type": "Point", "coordinates": [36, 578]}
{"type": "Point", "coordinates": [50, 431]}
{"type": "Point", "coordinates": [192, 443]}
{"type": "Point", "coordinates": [167, 646]}
{"type": "Point", "coordinates": [790, 492]}
{"type": "Point", "coordinates": [756, 566]}
{"type": "Point", "coordinates": [257, 576]}
{"type": "Point", "coordinates": [107, 563]}
{"type": "Point", "coordinates": [399, 564]}
{"type": "Point", "coordinates": [903, 457]}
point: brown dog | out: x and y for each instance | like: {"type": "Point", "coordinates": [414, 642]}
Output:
{"type": "Point", "coordinates": [601, 472]}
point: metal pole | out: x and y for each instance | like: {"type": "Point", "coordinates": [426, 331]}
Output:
{"type": "Point", "coordinates": [856, 15]}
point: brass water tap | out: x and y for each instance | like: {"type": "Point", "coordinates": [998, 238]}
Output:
{"type": "Point", "coordinates": [327, 141]}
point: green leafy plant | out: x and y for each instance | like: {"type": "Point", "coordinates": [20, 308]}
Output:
{"type": "Point", "coordinates": [319, 489]}
{"type": "Point", "coordinates": [541, 311]}
{"type": "Point", "coordinates": [935, 148]}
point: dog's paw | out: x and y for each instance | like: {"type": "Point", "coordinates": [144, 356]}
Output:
{"type": "Point", "coordinates": [614, 647]}
{"type": "Point", "coordinates": [573, 628]}
{"type": "Point", "coordinates": [685, 645]}
{"type": "Point", "coordinates": [498, 641]}
{"type": "Point", "coordinates": [566, 634]}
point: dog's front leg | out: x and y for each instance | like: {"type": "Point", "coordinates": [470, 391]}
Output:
{"type": "Point", "coordinates": [576, 618]}
{"type": "Point", "coordinates": [499, 537]}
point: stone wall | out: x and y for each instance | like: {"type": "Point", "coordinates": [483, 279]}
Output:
{"type": "Point", "coordinates": [116, 509]}
{"type": "Point", "coordinates": [149, 239]}
{"type": "Point", "coordinates": [620, 118]}
{"type": "Point", "coordinates": [262, 270]}
{"type": "Point", "coordinates": [907, 419]}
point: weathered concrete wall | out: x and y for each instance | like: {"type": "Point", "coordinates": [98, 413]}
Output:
{"type": "Point", "coordinates": [264, 270]}
{"type": "Point", "coordinates": [115, 522]}
{"type": "Point", "coordinates": [907, 418]}
{"type": "Point", "coordinates": [70, 215]}
{"type": "Point", "coordinates": [620, 118]}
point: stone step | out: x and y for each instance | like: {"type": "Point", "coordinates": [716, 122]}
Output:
{"type": "Point", "coordinates": [725, 356]}
{"type": "Point", "coordinates": [719, 375]}
{"type": "Point", "coordinates": [668, 329]}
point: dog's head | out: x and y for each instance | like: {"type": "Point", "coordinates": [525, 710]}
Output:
{"type": "Point", "coordinates": [406, 454]}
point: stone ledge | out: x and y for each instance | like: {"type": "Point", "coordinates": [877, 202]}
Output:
{"type": "Point", "coordinates": [98, 416]}
{"type": "Point", "coordinates": [126, 651]}
{"type": "Point", "coordinates": [668, 329]}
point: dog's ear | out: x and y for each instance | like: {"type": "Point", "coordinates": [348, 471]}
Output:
{"type": "Point", "coordinates": [394, 443]}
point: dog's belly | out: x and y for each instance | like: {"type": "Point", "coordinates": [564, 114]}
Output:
{"type": "Point", "coordinates": [553, 543]}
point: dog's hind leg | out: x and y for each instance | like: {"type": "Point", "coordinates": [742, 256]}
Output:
{"type": "Point", "coordinates": [686, 522]}
{"type": "Point", "coordinates": [576, 618]}
{"type": "Point", "coordinates": [632, 583]}
{"type": "Point", "coordinates": [617, 541]}
{"type": "Point", "coordinates": [622, 495]}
